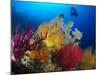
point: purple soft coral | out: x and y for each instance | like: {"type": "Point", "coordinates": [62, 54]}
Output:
{"type": "Point", "coordinates": [20, 42]}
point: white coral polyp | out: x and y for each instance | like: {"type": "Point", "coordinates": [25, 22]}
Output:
{"type": "Point", "coordinates": [77, 34]}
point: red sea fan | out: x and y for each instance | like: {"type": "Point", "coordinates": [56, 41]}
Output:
{"type": "Point", "coordinates": [69, 57]}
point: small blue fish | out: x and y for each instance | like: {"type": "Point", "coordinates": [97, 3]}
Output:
{"type": "Point", "coordinates": [61, 15]}
{"type": "Point", "coordinates": [73, 12]}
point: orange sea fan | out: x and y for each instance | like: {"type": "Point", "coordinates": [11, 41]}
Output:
{"type": "Point", "coordinates": [88, 60]}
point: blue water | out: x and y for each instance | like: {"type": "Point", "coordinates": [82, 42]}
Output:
{"type": "Point", "coordinates": [36, 13]}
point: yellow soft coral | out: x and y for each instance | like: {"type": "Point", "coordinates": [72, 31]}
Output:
{"type": "Point", "coordinates": [88, 60]}
{"type": "Point", "coordinates": [55, 36]}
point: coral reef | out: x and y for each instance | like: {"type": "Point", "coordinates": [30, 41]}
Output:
{"type": "Point", "coordinates": [53, 46]}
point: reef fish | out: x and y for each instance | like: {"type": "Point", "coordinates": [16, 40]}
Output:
{"type": "Point", "coordinates": [73, 12]}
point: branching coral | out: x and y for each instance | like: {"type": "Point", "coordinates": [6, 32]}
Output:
{"type": "Point", "coordinates": [68, 31]}
{"type": "Point", "coordinates": [42, 30]}
{"type": "Point", "coordinates": [72, 36]}
{"type": "Point", "coordinates": [77, 35]}
{"type": "Point", "coordinates": [36, 41]}
{"type": "Point", "coordinates": [20, 43]}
